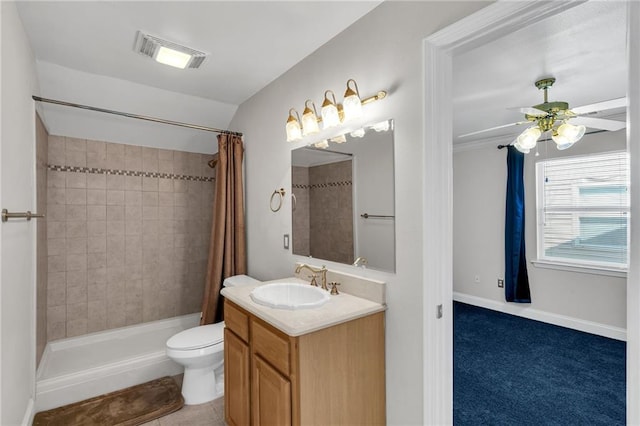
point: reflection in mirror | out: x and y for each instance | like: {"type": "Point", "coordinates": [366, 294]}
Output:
{"type": "Point", "coordinates": [343, 190]}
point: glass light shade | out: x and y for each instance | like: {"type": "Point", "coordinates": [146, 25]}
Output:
{"type": "Point", "coordinates": [520, 148]}
{"type": "Point", "coordinates": [529, 137]}
{"type": "Point", "coordinates": [309, 119]}
{"type": "Point", "coordinates": [352, 107]}
{"type": "Point", "coordinates": [352, 104]}
{"type": "Point", "coordinates": [339, 139]}
{"type": "Point", "coordinates": [382, 126]}
{"type": "Point", "coordinates": [322, 144]}
{"type": "Point", "coordinates": [172, 57]}
{"type": "Point", "coordinates": [294, 132]}
{"type": "Point", "coordinates": [330, 116]}
{"type": "Point", "coordinates": [357, 133]}
{"type": "Point", "coordinates": [569, 133]}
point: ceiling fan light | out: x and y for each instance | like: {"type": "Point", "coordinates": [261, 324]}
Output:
{"type": "Point", "coordinates": [570, 132]}
{"type": "Point", "coordinates": [517, 146]}
{"type": "Point", "coordinates": [528, 138]}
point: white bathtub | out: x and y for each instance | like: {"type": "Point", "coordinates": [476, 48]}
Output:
{"type": "Point", "coordinates": [81, 367]}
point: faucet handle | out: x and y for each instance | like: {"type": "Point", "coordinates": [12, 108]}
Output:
{"type": "Point", "coordinates": [334, 288]}
{"type": "Point", "coordinates": [313, 280]}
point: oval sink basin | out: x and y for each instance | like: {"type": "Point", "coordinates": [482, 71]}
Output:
{"type": "Point", "coordinates": [291, 296]}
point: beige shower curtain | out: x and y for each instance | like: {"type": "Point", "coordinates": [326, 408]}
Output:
{"type": "Point", "coordinates": [227, 248]}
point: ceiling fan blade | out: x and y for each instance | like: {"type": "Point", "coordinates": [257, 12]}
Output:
{"type": "Point", "coordinates": [535, 112]}
{"type": "Point", "coordinates": [599, 123]}
{"type": "Point", "coordinates": [495, 128]}
{"type": "Point", "coordinates": [601, 106]}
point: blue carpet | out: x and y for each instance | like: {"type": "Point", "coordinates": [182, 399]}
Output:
{"type": "Point", "coordinates": [514, 371]}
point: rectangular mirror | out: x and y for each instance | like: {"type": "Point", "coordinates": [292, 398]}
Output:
{"type": "Point", "coordinates": [343, 198]}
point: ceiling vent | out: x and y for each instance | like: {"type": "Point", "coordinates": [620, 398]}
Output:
{"type": "Point", "coordinates": [168, 52]}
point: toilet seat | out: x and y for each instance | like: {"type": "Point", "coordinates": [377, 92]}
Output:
{"type": "Point", "coordinates": [197, 337]}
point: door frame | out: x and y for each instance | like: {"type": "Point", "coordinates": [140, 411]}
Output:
{"type": "Point", "coordinates": [496, 20]}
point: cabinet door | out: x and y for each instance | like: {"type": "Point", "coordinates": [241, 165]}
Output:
{"type": "Point", "coordinates": [271, 395]}
{"type": "Point", "coordinates": [236, 380]}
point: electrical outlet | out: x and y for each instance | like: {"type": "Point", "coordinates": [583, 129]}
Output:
{"type": "Point", "coordinates": [477, 278]}
{"type": "Point", "coordinates": [500, 282]}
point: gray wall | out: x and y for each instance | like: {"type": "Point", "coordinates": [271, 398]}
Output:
{"type": "Point", "coordinates": [383, 50]}
{"type": "Point", "coordinates": [478, 237]}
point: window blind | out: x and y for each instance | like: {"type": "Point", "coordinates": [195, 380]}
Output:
{"type": "Point", "coordinates": [584, 209]}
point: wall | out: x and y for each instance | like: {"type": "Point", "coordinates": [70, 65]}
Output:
{"type": "Point", "coordinates": [17, 193]}
{"type": "Point", "coordinates": [42, 148]}
{"type": "Point", "coordinates": [128, 234]}
{"type": "Point", "coordinates": [300, 232]}
{"type": "Point", "coordinates": [478, 238]}
{"type": "Point", "coordinates": [383, 50]}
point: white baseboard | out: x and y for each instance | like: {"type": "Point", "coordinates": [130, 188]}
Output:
{"type": "Point", "coordinates": [547, 317]}
{"type": "Point", "coordinates": [29, 413]}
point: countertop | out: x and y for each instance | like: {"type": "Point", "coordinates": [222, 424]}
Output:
{"type": "Point", "coordinates": [340, 308]}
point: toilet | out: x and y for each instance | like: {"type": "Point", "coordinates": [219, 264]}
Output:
{"type": "Point", "coordinates": [201, 351]}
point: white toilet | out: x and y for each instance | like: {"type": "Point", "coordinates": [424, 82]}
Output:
{"type": "Point", "coordinates": [201, 351]}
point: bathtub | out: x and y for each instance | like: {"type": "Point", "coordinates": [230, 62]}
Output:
{"type": "Point", "coordinates": [78, 368]}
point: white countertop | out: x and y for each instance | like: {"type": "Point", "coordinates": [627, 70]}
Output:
{"type": "Point", "coordinates": [340, 308]}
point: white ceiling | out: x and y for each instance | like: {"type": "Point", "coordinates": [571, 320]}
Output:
{"type": "Point", "coordinates": [250, 43]}
{"type": "Point", "coordinates": [584, 48]}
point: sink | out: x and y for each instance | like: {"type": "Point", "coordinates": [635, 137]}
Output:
{"type": "Point", "coordinates": [290, 296]}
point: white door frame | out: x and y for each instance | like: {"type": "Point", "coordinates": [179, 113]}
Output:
{"type": "Point", "coordinates": [494, 21]}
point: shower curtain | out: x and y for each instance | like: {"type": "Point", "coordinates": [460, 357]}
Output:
{"type": "Point", "coordinates": [227, 248]}
{"type": "Point", "coordinates": [516, 280]}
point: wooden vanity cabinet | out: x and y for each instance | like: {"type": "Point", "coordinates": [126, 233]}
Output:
{"type": "Point", "coordinates": [331, 376]}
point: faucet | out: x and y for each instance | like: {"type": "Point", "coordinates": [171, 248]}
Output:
{"type": "Point", "coordinates": [360, 261]}
{"type": "Point", "coordinates": [322, 271]}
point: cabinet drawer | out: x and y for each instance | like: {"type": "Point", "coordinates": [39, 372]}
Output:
{"type": "Point", "coordinates": [236, 320]}
{"type": "Point", "coordinates": [272, 346]}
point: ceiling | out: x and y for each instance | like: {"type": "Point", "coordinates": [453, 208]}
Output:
{"type": "Point", "coordinates": [584, 48]}
{"type": "Point", "coordinates": [250, 43]}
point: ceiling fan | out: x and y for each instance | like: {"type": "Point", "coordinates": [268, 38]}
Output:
{"type": "Point", "coordinates": [566, 125]}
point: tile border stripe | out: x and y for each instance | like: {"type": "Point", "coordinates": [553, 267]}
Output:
{"type": "Point", "coordinates": [321, 185]}
{"type": "Point", "coordinates": [118, 172]}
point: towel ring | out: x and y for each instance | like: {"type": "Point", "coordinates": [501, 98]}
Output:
{"type": "Point", "coordinates": [275, 206]}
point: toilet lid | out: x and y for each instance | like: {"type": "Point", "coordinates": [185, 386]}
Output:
{"type": "Point", "coordinates": [197, 337]}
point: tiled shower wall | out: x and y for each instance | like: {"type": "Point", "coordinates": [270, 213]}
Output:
{"type": "Point", "coordinates": [325, 204]}
{"type": "Point", "coordinates": [128, 234]}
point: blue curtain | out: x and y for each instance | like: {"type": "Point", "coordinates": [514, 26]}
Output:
{"type": "Point", "coordinates": [516, 280]}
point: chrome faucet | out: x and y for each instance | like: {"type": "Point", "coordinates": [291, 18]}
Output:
{"type": "Point", "coordinates": [360, 261]}
{"type": "Point", "coordinates": [322, 271]}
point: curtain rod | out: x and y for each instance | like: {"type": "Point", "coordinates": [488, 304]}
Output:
{"type": "Point", "coordinates": [139, 117]}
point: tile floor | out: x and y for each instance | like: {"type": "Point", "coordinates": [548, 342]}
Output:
{"type": "Point", "coordinates": [209, 414]}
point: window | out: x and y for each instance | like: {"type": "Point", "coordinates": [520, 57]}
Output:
{"type": "Point", "coordinates": [583, 210]}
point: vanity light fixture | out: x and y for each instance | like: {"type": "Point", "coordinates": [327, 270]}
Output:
{"type": "Point", "coordinates": [352, 102]}
{"type": "Point", "coordinates": [294, 131]}
{"type": "Point", "coordinates": [309, 119]}
{"type": "Point", "coordinates": [330, 111]}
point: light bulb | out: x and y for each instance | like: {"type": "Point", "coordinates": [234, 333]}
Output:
{"type": "Point", "coordinates": [352, 104]}
{"type": "Point", "coordinates": [529, 138]}
{"type": "Point", "coordinates": [294, 132]}
{"type": "Point", "coordinates": [330, 113]}
{"type": "Point", "coordinates": [309, 119]}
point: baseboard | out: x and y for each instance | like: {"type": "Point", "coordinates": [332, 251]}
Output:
{"type": "Point", "coordinates": [29, 413]}
{"type": "Point", "coordinates": [547, 317]}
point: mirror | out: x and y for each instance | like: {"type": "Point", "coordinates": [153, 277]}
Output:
{"type": "Point", "coordinates": [343, 202]}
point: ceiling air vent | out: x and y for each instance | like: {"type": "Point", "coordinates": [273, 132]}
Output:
{"type": "Point", "coordinates": [168, 52]}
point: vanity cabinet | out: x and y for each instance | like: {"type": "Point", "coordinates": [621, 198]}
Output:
{"type": "Point", "coordinates": [335, 375]}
